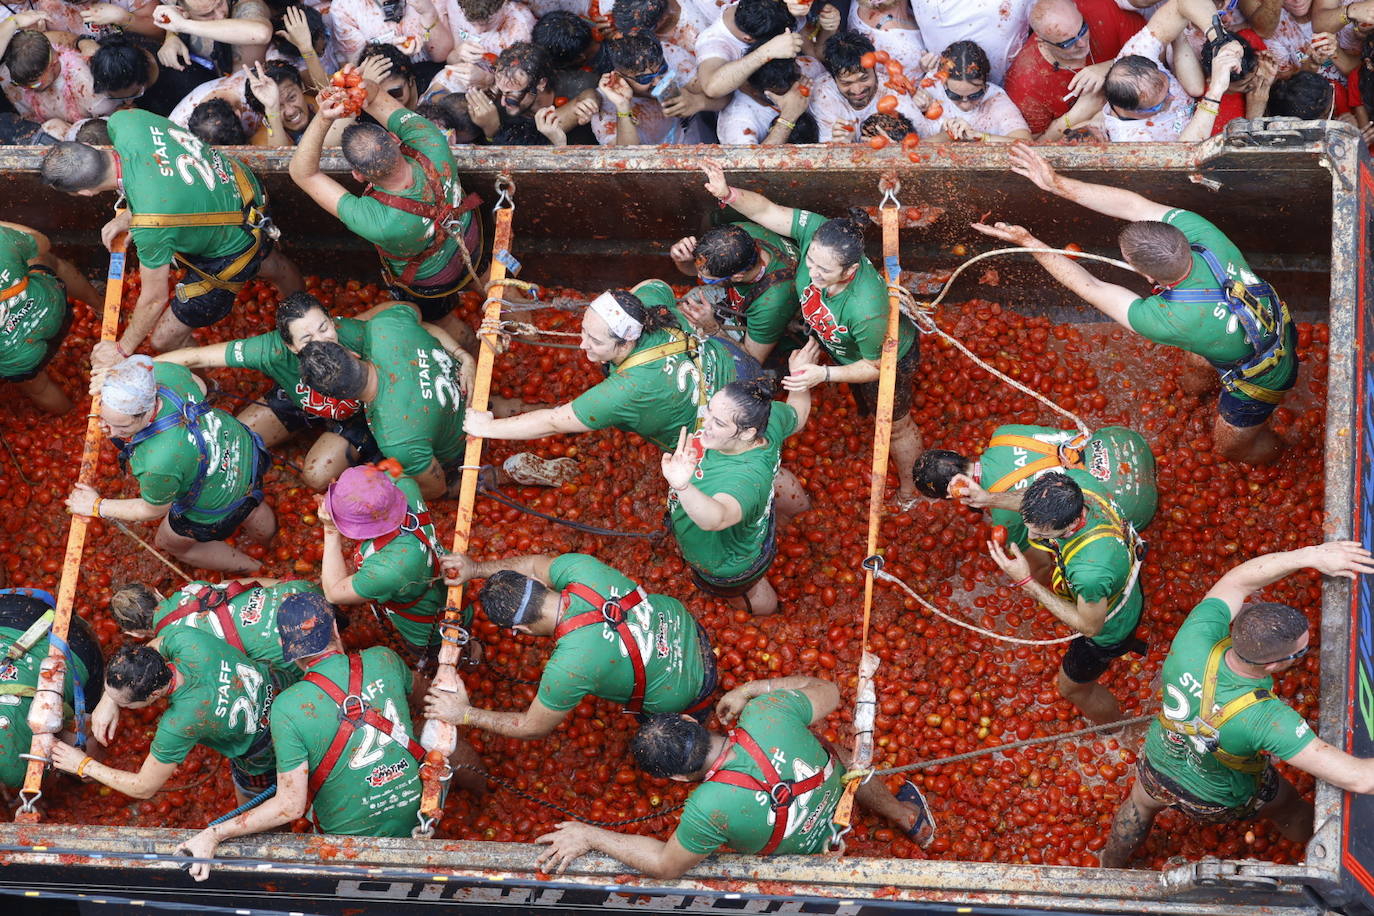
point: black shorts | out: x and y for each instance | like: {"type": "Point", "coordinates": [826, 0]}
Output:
{"type": "Point", "coordinates": [223, 528]}
{"type": "Point", "coordinates": [214, 304]}
{"type": "Point", "coordinates": [18, 611]}
{"type": "Point", "coordinates": [747, 369]}
{"type": "Point", "coordinates": [735, 586]}
{"type": "Point", "coordinates": [866, 394]}
{"type": "Point", "coordinates": [1164, 790]}
{"type": "Point", "coordinates": [53, 343]}
{"type": "Point", "coordinates": [701, 706]}
{"type": "Point", "coordinates": [259, 753]}
{"type": "Point", "coordinates": [354, 430]}
{"type": "Point", "coordinates": [1086, 659]}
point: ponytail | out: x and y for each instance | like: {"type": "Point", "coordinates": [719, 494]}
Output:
{"type": "Point", "coordinates": [656, 318]}
{"type": "Point", "coordinates": [845, 236]}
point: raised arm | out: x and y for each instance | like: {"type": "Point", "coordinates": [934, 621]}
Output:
{"type": "Point", "coordinates": [756, 207]}
{"type": "Point", "coordinates": [1117, 202]}
{"type": "Point", "coordinates": [248, 32]}
{"type": "Point", "coordinates": [459, 569]}
{"type": "Point", "coordinates": [720, 79]}
{"type": "Point", "coordinates": [1335, 558]}
{"type": "Point", "coordinates": [709, 513]}
{"type": "Point", "coordinates": [305, 161]}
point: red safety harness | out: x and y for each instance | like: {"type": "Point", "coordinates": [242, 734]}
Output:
{"type": "Point", "coordinates": [411, 524]}
{"type": "Point", "coordinates": [613, 612]}
{"type": "Point", "coordinates": [781, 792]}
{"type": "Point", "coordinates": [216, 601]}
{"type": "Point", "coordinates": [354, 711]}
{"type": "Point", "coordinates": [435, 207]}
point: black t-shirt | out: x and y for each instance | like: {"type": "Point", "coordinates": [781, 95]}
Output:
{"type": "Point", "coordinates": [171, 87]}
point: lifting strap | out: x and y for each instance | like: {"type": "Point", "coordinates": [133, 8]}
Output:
{"type": "Point", "coordinates": [413, 524]}
{"type": "Point", "coordinates": [1266, 326]}
{"type": "Point", "coordinates": [781, 793]}
{"type": "Point", "coordinates": [354, 711]}
{"type": "Point", "coordinates": [435, 207]}
{"type": "Point", "coordinates": [213, 599]}
{"type": "Point", "coordinates": [1117, 527]}
{"type": "Point", "coordinates": [187, 414]}
{"type": "Point", "coordinates": [613, 613]}
{"type": "Point", "coordinates": [1205, 729]}
{"type": "Point", "coordinates": [1068, 455]}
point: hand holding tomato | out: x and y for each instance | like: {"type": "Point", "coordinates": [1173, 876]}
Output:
{"type": "Point", "coordinates": [1011, 561]}
{"type": "Point", "coordinates": [999, 535]}
{"type": "Point", "coordinates": [457, 568]}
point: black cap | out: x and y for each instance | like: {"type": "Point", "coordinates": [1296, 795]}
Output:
{"type": "Point", "coordinates": [305, 622]}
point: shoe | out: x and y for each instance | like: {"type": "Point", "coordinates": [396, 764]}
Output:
{"type": "Point", "coordinates": [924, 820]}
{"type": "Point", "coordinates": [529, 470]}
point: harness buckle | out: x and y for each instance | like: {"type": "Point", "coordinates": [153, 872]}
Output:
{"type": "Point", "coordinates": [612, 612]}
{"type": "Point", "coordinates": [781, 794]}
{"type": "Point", "coordinates": [411, 523]}
{"type": "Point", "coordinates": [454, 633]}
{"type": "Point", "coordinates": [345, 715]}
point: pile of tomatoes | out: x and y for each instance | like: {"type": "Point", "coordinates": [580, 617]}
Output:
{"type": "Point", "coordinates": [942, 690]}
{"type": "Point", "coordinates": [346, 86]}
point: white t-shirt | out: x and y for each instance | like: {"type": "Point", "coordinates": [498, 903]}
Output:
{"type": "Point", "coordinates": [1163, 127]}
{"type": "Point", "coordinates": [717, 41]}
{"type": "Point", "coordinates": [230, 88]}
{"type": "Point", "coordinates": [999, 27]}
{"type": "Point", "coordinates": [745, 122]}
{"type": "Point", "coordinates": [996, 113]}
{"type": "Point", "coordinates": [904, 45]}
{"type": "Point", "coordinates": [512, 23]}
{"type": "Point", "coordinates": [357, 22]}
{"type": "Point", "coordinates": [830, 107]}
{"type": "Point", "coordinates": [652, 125]}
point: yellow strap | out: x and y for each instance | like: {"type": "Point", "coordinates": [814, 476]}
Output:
{"type": "Point", "coordinates": [1251, 390]}
{"type": "Point", "coordinates": [680, 344]}
{"type": "Point", "coordinates": [208, 281]}
{"type": "Point", "coordinates": [1020, 474]}
{"type": "Point", "coordinates": [1011, 440]}
{"type": "Point", "coordinates": [202, 220]}
{"type": "Point", "coordinates": [1212, 722]}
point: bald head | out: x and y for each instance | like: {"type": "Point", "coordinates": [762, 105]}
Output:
{"type": "Point", "coordinates": [1057, 21]}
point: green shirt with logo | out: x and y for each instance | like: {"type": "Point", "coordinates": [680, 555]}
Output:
{"type": "Point", "coordinates": [719, 815]}
{"type": "Point", "coordinates": [168, 170]}
{"type": "Point", "coordinates": [403, 235]}
{"type": "Point", "coordinates": [1271, 726]}
{"type": "Point", "coordinates": [1208, 329]}
{"type": "Point", "coordinates": [374, 787]}
{"type": "Point", "coordinates": [748, 477]}
{"type": "Point", "coordinates": [401, 572]}
{"type": "Point", "coordinates": [593, 660]}
{"type": "Point", "coordinates": [417, 415]}
{"type": "Point", "coordinates": [222, 702]}
{"type": "Point", "coordinates": [659, 398]}
{"type": "Point", "coordinates": [1113, 455]}
{"type": "Point", "coordinates": [253, 614]}
{"type": "Point", "coordinates": [167, 464]}
{"type": "Point", "coordinates": [31, 317]}
{"type": "Point", "coordinates": [852, 324]}
{"type": "Point", "coordinates": [15, 735]}
{"type": "Point", "coordinates": [268, 354]}
{"type": "Point", "coordinates": [771, 313]}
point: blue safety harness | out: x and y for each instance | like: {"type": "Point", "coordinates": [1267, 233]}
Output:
{"type": "Point", "coordinates": [78, 688]}
{"type": "Point", "coordinates": [1260, 313]}
{"type": "Point", "coordinates": [187, 414]}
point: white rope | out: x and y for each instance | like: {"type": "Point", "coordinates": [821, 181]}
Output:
{"type": "Point", "coordinates": [884, 574]}
{"type": "Point", "coordinates": [922, 314]}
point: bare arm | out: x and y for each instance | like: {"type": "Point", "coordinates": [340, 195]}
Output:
{"type": "Point", "coordinates": [823, 696]}
{"type": "Point", "coordinates": [1331, 764]}
{"type": "Point", "coordinates": [535, 722]}
{"type": "Point", "coordinates": [334, 576]}
{"type": "Point", "coordinates": [460, 569]}
{"type": "Point", "coordinates": [1263, 15]}
{"type": "Point", "coordinates": [1335, 558]}
{"type": "Point", "coordinates": [753, 206]}
{"type": "Point", "coordinates": [210, 356]}
{"type": "Point", "coordinates": [153, 775]}
{"type": "Point", "coordinates": [1116, 202]}
{"type": "Point", "coordinates": [305, 168]}
{"type": "Point", "coordinates": [645, 854]}
{"type": "Point", "coordinates": [286, 806]}
{"type": "Point", "coordinates": [152, 299]}
{"type": "Point", "coordinates": [533, 425]}
{"type": "Point", "coordinates": [1332, 15]}
{"type": "Point", "coordinates": [710, 513]}
{"type": "Point", "coordinates": [1087, 617]}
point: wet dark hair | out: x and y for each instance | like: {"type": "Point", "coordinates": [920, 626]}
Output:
{"type": "Point", "coordinates": [279, 72]}
{"type": "Point", "coordinates": [567, 36]}
{"type": "Point", "coordinates": [1249, 60]}
{"type": "Point", "coordinates": [935, 469]}
{"type": "Point", "coordinates": [724, 251]}
{"type": "Point", "coordinates": [753, 402]}
{"type": "Point", "coordinates": [132, 607]}
{"type": "Point", "coordinates": [479, 11]}
{"type": "Point", "coordinates": [966, 62]}
{"type": "Point", "coordinates": [806, 131]}
{"type": "Point", "coordinates": [1156, 249]}
{"type": "Point", "coordinates": [895, 126]}
{"type": "Point", "coordinates": [844, 52]}
{"type": "Point", "coordinates": [1265, 631]}
{"type": "Point", "coordinates": [95, 132]}
{"type": "Point", "coordinates": [520, 132]}
{"type": "Point", "coordinates": [653, 319]}
{"type": "Point", "coordinates": [449, 111]}
{"type": "Point", "coordinates": [511, 599]}
{"type": "Point", "coordinates": [119, 64]}
{"type": "Point", "coordinates": [763, 19]}
{"type": "Point", "coordinates": [1126, 78]}
{"type": "Point", "coordinates": [138, 671]}
{"type": "Point", "coordinates": [1307, 95]}
{"type": "Point", "coordinates": [669, 745]}
{"type": "Point", "coordinates": [776, 76]}
{"type": "Point", "coordinates": [295, 306]}
{"type": "Point", "coordinates": [636, 52]}
{"type": "Point", "coordinates": [71, 167]}
{"type": "Point", "coordinates": [331, 370]}
{"type": "Point", "coordinates": [216, 122]}
{"type": "Point", "coordinates": [530, 59]}
{"type": "Point", "coordinates": [639, 14]}
{"type": "Point", "coordinates": [1053, 501]}
{"type": "Point", "coordinates": [27, 56]}
{"type": "Point", "coordinates": [845, 236]}
{"type": "Point", "coordinates": [371, 149]}
{"type": "Point", "coordinates": [400, 63]}
{"type": "Point", "coordinates": [313, 21]}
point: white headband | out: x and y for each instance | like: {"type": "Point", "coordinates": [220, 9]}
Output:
{"type": "Point", "coordinates": [621, 323]}
{"type": "Point", "coordinates": [130, 387]}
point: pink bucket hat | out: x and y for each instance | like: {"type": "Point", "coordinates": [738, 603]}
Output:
{"type": "Point", "coordinates": [365, 503]}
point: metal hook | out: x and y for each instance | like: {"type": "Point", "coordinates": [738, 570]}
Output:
{"type": "Point", "coordinates": [873, 564]}
{"type": "Point", "coordinates": [505, 188]}
{"type": "Point", "coordinates": [890, 187]}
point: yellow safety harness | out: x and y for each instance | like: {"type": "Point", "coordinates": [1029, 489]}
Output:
{"type": "Point", "coordinates": [1115, 527]}
{"type": "Point", "coordinates": [678, 342]}
{"type": "Point", "coordinates": [252, 218]}
{"type": "Point", "coordinates": [1204, 730]}
{"type": "Point", "coordinates": [1068, 455]}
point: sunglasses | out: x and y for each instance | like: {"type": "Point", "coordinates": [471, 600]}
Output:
{"type": "Point", "coordinates": [1274, 661]}
{"type": "Point", "coordinates": [646, 79]}
{"type": "Point", "coordinates": [1142, 113]}
{"type": "Point", "coordinates": [971, 97]}
{"type": "Point", "coordinates": [1082, 33]}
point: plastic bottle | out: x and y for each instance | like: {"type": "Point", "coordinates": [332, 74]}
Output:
{"type": "Point", "coordinates": [45, 712]}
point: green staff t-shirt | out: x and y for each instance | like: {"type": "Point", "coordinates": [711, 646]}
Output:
{"type": "Point", "coordinates": [268, 354]}
{"type": "Point", "coordinates": [31, 316]}
{"type": "Point", "coordinates": [15, 735]}
{"type": "Point", "coordinates": [400, 572]}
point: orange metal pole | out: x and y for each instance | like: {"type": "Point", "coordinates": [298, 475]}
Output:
{"type": "Point", "coordinates": [45, 712]}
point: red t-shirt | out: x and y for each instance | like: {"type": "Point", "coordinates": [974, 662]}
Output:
{"type": "Point", "coordinates": [1038, 86]}
{"type": "Point", "coordinates": [1233, 103]}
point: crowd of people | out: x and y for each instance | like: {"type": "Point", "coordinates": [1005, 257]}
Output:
{"type": "Point", "coordinates": [752, 72]}
{"type": "Point", "coordinates": [245, 665]}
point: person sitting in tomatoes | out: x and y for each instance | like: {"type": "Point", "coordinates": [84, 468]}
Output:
{"type": "Point", "coordinates": [767, 786]}
{"type": "Point", "coordinates": [598, 619]}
